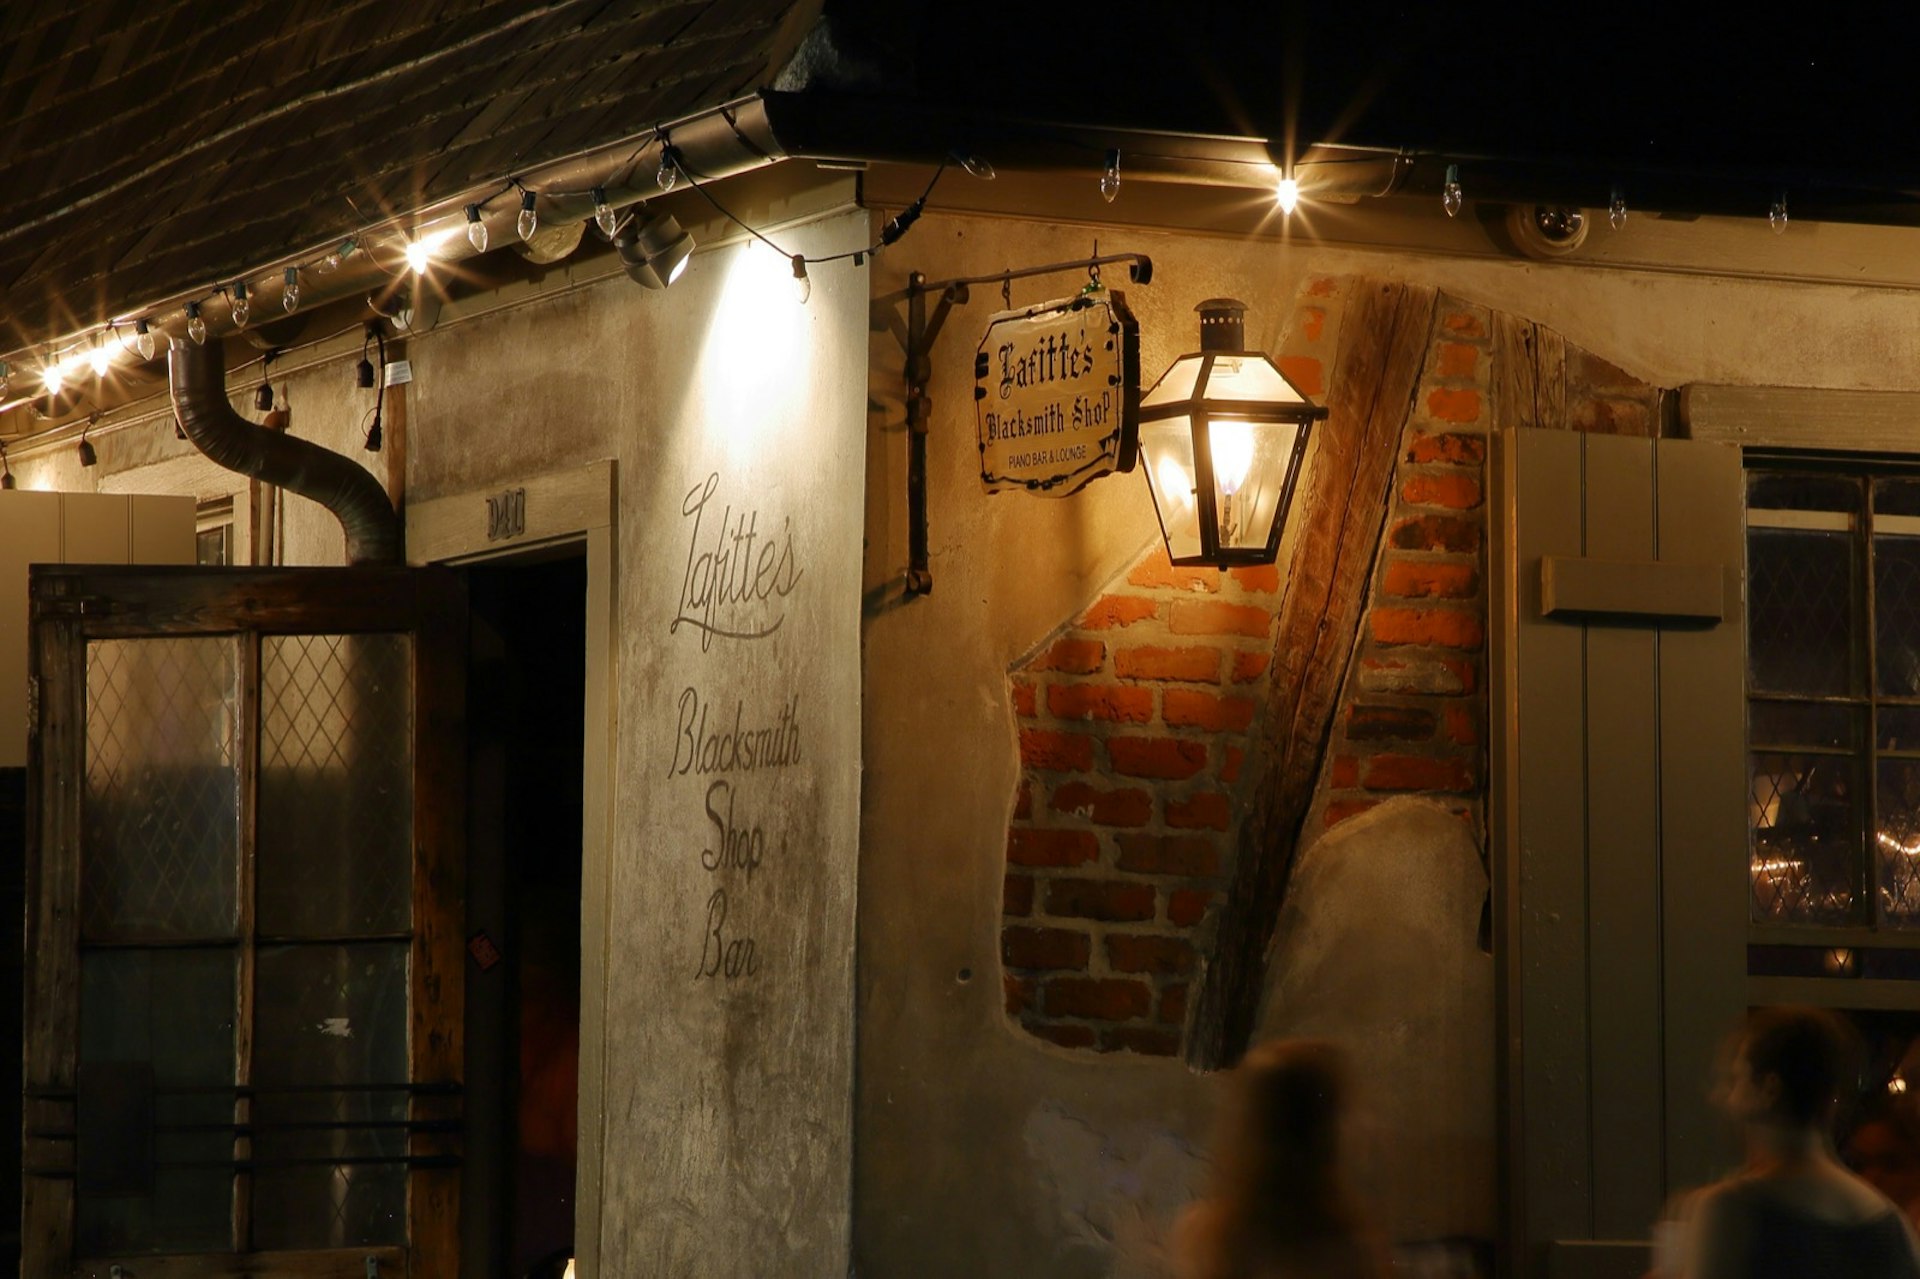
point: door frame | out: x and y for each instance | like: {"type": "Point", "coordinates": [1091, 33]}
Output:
{"type": "Point", "coordinates": [506, 519]}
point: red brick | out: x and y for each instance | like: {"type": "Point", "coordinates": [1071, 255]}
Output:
{"type": "Point", "coordinates": [1425, 675]}
{"type": "Point", "coordinates": [1188, 906]}
{"type": "Point", "coordinates": [1018, 992]}
{"type": "Point", "coordinates": [1173, 1004]}
{"type": "Point", "coordinates": [1016, 895]}
{"type": "Point", "coordinates": [1257, 579]}
{"type": "Point", "coordinates": [1340, 809]}
{"type": "Point", "coordinates": [1451, 405]}
{"type": "Point", "coordinates": [1464, 671]}
{"type": "Point", "coordinates": [1158, 571]}
{"type": "Point", "coordinates": [1025, 698]}
{"type": "Point", "coordinates": [1230, 764]}
{"type": "Point", "coordinates": [1107, 899]}
{"type": "Point", "coordinates": [1101, 999]}
{"type": "Point", "coordinates": [1115, 703]}
{"type": "Point", "coordinates": [1065, 1036]}
{"type": "Point", "coordinates": [1029, 847]}
{"type": "Point", "coordinates": [1023, 802]}
{"type": "Point", "coordinates": [1452, 490]}
{"type": "Point", "coordinates": [1456, 359]}
{"type": "Point", "coordinates": [1045, 948]}
{"type": "Point", "coordinates": [1417, 772]}
{"type": "Point", "coordinates": [1203, 810]}
{"type": "Point", "coordinates": [1211, 617]}
{"type": "Point", "coordinates": [1444, 627]}
{"type": "Point", "coordinates": [1429, 579]}
{"type": "Point", "coordinates": [1138, 953]}
{"type": "Point", "coordinates": [1189, 708]}
{"type": "Point", "coordinates": [1464, 323]}
{"type": "Point", "coordinates": [1313, 322]}
{"type": "Point", "coordinates": [1345, 772]}
{"type": "Point", "coordinates": [1191, 856]}
{"type": "Point", "coordinates": [1117, 610]}
{"type": "Point", "coordinates": [1324, 286]}
{"type": "Point", "coordinates": [1448, 447]}
{"type": "Point", "coordinates": [1368, 723]}
{"type": "Point", "coordinates": [1148, 1041]}
{"type": "Point", "coordinates": [1126, 807]}
{"type": "Point", "coordinates": [1305, 372]}
{"type": "Point", "coordinates": [1073, 656]}
{"type": "Point", "coordinates": [1436, 533]}
{"type": "Point", "coordinates": [1189, 665]}
{"type": "Point", "coordinates": [1172, 758]}
{"type": "Point", "coordinates": [1462, 726]}
{"type": "Point", "coordinates": [1053, 752]}
{"type": "Point", "coordinates": [1248, 667]}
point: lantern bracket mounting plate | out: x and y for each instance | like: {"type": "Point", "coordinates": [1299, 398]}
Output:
{"type": "Point", "coordinates": [922, 329]}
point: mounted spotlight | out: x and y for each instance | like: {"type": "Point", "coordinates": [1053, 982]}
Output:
{"type": "Point", "coordinates": [654, 249]}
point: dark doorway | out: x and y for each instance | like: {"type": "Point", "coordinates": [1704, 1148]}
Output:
{"type": "Point", "coordinates": [526, 728]}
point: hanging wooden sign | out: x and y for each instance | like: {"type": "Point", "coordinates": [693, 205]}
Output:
{"type": "Point", "coordinates": [1056, 391]}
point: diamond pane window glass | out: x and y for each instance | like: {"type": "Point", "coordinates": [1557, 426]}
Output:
{"type": "Point", "coordinates": [336, 764]}
{"type": "Point", "coordinates": [161, 803]}
{"type": "Point", "coordinates": [172, 1012]}
{"type": "Point", "coordinates": [1897, 842]}
{"type": "Point", "coordinates": [1896, 615]}
{"type": "Point", "coordinates": [1800, 615]}
{"type": "Point", "coordinates": [330, 1067]}
{"type": "Point", "coordinates": [1805, 812]}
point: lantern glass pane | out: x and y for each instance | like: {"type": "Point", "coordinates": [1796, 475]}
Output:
{"type": "Point", "coordinates": [1167, 449]}
{"type": "Point", "coordinates": [1249, 377]}
{"type": "Point", "coordinates": [1175, 384]}
{"type": "Point", "coordinates": [1249, 470]}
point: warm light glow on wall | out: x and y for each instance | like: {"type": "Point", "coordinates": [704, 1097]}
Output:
{"type": "Point", "coordinates": [753, 367]}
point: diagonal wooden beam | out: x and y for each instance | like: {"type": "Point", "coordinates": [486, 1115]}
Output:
{"type": "Point", "coordinates": [1382, 351]}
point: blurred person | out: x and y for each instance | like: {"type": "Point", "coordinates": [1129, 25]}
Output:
{"type": "Point", "coordinates": [1794, 1211]}
{"type": "Point", "coordinates": [1280, 1207]}
{"type": "Point", "coordinates": [1884, 1148]}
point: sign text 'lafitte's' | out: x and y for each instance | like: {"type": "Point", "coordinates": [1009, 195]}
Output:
{"type": "Point", "coordinates": [1057, 394]}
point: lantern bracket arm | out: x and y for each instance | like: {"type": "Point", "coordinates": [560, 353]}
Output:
{"type": "Point", "coordinates": [922, 329]}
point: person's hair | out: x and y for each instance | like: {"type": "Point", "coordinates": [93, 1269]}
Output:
{"type": "Point", "coordinates": [1277, 1188]}
{"type": "Point", "coordinates": [1810, 1051]}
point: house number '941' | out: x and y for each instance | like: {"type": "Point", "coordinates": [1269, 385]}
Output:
{"type": "Point", "coordinates": [507, 515]}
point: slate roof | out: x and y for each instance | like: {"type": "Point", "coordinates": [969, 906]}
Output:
{"type": "Point", "coordinates": [153, 146]}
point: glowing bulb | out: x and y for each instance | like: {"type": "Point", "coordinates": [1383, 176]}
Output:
{"type": "Point", "coordinates": [802, 286]}
{"type": "Point", "coordinates": [418, 255]}
{"type": "Point", "coordinates": [476, 229]}
{"type": "Point", "coordinates": [1777, 216]}
{"type": "Point", "coordinates": [603, 214]}
{"type": "Point", "coordinates": [53, 377]}
{"type": "Point", "coordinates": [1617, 209]}
{"type": "Point", "coordinates": [1287, 193]}
{"type": "Point", "coordinates": [1232, 444]}
{"type": "Point", "coordinates": [529, 217]}
{"type": "Point", "coordinates": [196, 327]}
{"type": "Point", "coordinates": [669, 169]}
{"type": "Point", "coordinates": [975, 165]}
{"type": "Point", "coordinates": [1451, 197]}
{"type": "Point", "coordinates": [290, 294]}
{"type": "Point", "coordinates": [332, 261]}
{"type": "Point", "coordinates": [1896, 1085]}
{"type": "Point", "coordinates": [143, 339]}
{"type": "Point", "coordinates": [1110, 180]}
{"type": "Point", "coordinates": [100, 359]}
{"type": "Point", "coordinates": [240, 307]}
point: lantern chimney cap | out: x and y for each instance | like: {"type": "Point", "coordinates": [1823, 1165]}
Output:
{"type": "Point", "coordinates": [1222, 324]}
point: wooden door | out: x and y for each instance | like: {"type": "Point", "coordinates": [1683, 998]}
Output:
{"type": "Point", "coordinates": [244, 984]}
{"type": "Point", "coordinates": [1619, 831]}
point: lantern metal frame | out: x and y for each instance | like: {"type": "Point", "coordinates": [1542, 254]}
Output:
{"type": "Point", "coordinates": [1199, 410]}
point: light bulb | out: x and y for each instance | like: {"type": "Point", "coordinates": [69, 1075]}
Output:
{"type": "Point", "coordinates": [1617, 210]}
{"type": "Point", "coordinates": [418, 255]}
{"type": "Point", "coordinates": [669, 172]}
{"type": "Point", "coordinates": [802, 286]}
{"type": "Point", "coordinates": [1777, 216]}
{"type": "Point", "coordinates": [1232, 445]}
{"type": "Point", "coordinates": [196, 327]}
{"type": "Point", "coordinates": [975, 166]}
{"type": "Point", "coordinates": [143, 339]}
{"type": "Point", "coordinates": [1110, 180]}
{"type": "Point", "coordinates": [53, 377]}
{"type": "Point", "coordinates": [290, 295]}
{"type": "Point", "coordinates": [240, 308]}
{"type": "Point", "coordinates": [332, 261]}
{"type": "Point", "coordinates": [1451, 197]}
{"type": "Point", "coordinates": [476, 229]}
{"type": "Point", "coordinates": [100, 359]}
{"type": "Point", "coordinates": [1286, 193]}
{"type": "Point", "coordinates": [529, 217]}
{"type": "Point", "coordinates": [603, 214]}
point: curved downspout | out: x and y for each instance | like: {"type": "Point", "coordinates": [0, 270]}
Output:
{"type": "Point", "coordinates": [198, 383]}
